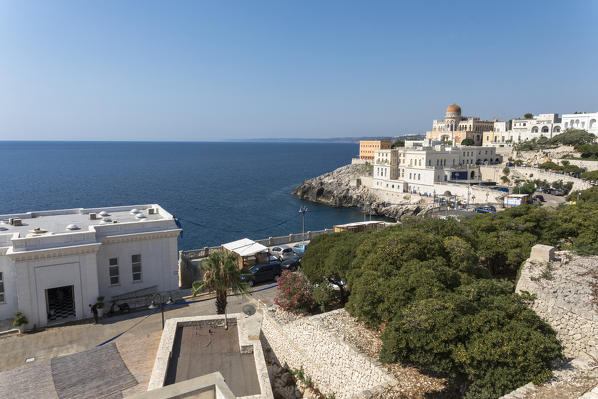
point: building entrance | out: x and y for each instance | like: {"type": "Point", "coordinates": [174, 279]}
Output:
{"type": "Point", "coordinates": [61, 303]}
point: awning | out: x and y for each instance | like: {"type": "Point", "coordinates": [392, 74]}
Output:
{"type": "Point", "coordinates": [244, 247]}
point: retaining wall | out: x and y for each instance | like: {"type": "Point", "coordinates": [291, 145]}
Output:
{"type": "Point", "coordinates": [334, 365]}
{"type": "Point", "coordinates": [564, 299]}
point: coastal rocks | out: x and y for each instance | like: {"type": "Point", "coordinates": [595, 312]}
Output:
{"type": "Point", "coordinates": [337, 188]}
{"type": "Point", "coordinates": [345, 188]}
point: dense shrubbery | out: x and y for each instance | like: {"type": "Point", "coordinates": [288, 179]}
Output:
{"type": "Point", "coordinates": [593, 175]}
{"type": "Point", "coordinates": [442, 290]}
{"type": "Point", "coordinates": [565, 168]}
{"type": "Point", "coordinates": [573, 137]}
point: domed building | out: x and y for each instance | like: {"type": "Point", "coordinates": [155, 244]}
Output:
{"type": "Point", "coordinates": [455, 128]}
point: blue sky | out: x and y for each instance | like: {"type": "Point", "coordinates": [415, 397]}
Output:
{"type": "Point", "coordinates": [199, 70]}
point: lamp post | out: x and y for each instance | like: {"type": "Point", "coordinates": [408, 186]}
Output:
{"type": "Point", "coordinates": [161, 304]}
{"type": "Point", "coordinates": [302, 211]}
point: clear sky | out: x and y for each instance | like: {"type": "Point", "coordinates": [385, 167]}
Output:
{"type": "Point", "coordinates": [199, 70]}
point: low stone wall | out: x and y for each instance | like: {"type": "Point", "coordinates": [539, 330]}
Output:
{"type": "Point", "coordinates": [582, 163]}
{"type": "Point", "coordinates": [334, 365]}
{"type": "Point", "coordinates": [535, 173]}
{"type": "Point", "coordinates": [565, 299]}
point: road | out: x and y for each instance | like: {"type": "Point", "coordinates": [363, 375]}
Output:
{"type": "Point", "coordinates": [82, 335]}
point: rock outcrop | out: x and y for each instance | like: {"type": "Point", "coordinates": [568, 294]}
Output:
{"type": "Point", "coordinates": [340, 188]}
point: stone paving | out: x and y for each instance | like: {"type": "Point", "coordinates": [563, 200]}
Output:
{"type": "Point", "coordinates": [136, 347]}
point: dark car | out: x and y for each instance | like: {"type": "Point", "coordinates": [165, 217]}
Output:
{"type": "Point", "coordinates": [539, 197]}
{"type": "Point", "coordinates": [291, 264]}
{"type": "Point", "coordinates": [260, 273]}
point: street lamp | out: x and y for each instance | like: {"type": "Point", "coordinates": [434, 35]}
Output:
{"type": "Point", "coordinates": [160, 304]}
{"type": "Point", "coordinates": [302, 211]}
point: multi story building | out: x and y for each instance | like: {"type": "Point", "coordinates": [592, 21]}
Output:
{"type": "Point", "coordinates": [585, 121]}
{"type": "Point", "coordinates": [455, 128]}
{"type": "Point", "coordinates": [368, 147]}
{"type": "Point", "coordinates": [542, 125]}
{"type": "Point", "coordinates": [418, 166]}
{"type": "Point", "coordinates": [53, 264]}
{"type": "Point", "coordinates": [498, 136]}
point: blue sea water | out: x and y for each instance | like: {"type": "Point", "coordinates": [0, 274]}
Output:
{"type": "Point", "coordinates": [220, 191]}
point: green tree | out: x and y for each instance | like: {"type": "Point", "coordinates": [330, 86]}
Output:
{"type": "Point", "coordinates": [220, 273]}
{"type": "Point", "coordinates": [398, 143]}
{"type": "Point", "coordinates": [529, 115]}
{"type": "Point", "coordinates": [468, 142]}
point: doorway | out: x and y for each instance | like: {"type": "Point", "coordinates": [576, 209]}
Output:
{"type": "Point", "coordinates": [60, 303]}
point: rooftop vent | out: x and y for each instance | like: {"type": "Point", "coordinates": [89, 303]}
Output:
{"type": "Point", "coordinates": [16, 222]}
{"type": "Point", "coordinates": [106, 220]}
{"type": "Point", "coordinates": [93, 216]}
{"type": "Point", "coordinates": [152, 211]}
{"type": "Point", "coordinates": [134, 211]}
{"type": "Point", "coordinates": [104, 213]}
{"type": "Point", "coordinates": [140, 216]}
{"type": "Point", "coordinates": [73, 227]}
{"type": "Point", "coordinates": [38, 230]}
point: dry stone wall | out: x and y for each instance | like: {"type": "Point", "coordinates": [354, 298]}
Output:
{"type": "Point", "coordinates": [565, 298]}
{"type": "Point", "coordinates": [334, 365]}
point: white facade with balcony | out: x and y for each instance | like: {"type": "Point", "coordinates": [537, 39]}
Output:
{"type": "Point", "coordinates": [53, 264]}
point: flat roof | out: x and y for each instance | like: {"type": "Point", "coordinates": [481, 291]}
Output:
{"type": "Point", "coordinates": [56, 221]}
{"type": "Point", "coordinates": [245, 247]}
{"type": "Point", "coordinates": [201, 349]}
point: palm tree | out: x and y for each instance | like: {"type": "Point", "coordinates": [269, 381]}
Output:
{"type": "Point", "coordinates": [220, 272]}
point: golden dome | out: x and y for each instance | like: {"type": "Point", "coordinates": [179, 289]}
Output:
{"type": "Point", "coordinates": [453, 108]}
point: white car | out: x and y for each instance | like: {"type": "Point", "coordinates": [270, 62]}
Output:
{"type": "Point", "coordinates": [282, 252]}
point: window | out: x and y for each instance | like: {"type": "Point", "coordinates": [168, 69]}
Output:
{"type": "Point", "coordinates": [1, 288]}
{"type": "Point", "coordinates": [113, 271]}
{"type": "Point", "coordinates": [136, 263]}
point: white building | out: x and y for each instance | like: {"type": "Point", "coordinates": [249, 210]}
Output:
{"type": "Point", "coordinates": [581, 121]}
{"type": "Point", "coordinates": [53, 264]}
{"type": "Point", "coordinates": [416, 167]}
{"type": "Point", "coordinates": [542, 125]}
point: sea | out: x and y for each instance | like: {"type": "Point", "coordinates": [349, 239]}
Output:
{"type": "Point", "coordinates": [220, 192]}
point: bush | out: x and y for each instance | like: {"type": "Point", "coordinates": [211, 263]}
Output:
{"type": "Point", "coordinates": [294, 293]}
{"type": "Point", "coordinates": [20, 319]}
{"type": "Point", "coordinates": [468, 142]}
{"type": "Point", "coordinates": [324, 295]}
{"type": "Point", "coordinates": [593, 175]}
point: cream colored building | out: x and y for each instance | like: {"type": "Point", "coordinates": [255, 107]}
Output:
{"type": "Point", "coordinates": [416, 167]}
{"type": "Point", "coordinates": [455, 128]}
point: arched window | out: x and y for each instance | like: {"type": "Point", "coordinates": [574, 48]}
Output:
{"type": "Point", "coordinates": [535, 129]}
{"type": "Point", "coordinates": [557, 129]}
{"type": "Point", "coordinates": [472, 174]}
{"type": "Point", "coordinates": [592, 123]}
{"type": "Point", "coordinates": [545, 129]}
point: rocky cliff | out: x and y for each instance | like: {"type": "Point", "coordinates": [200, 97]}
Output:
{"type": "Point", "coordinates": [339, 189]}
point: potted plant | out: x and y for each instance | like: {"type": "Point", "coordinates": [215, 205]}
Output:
{"type": "Point", "coordinates": [100, 306]}
{"type": "Point", "coordinates": [20, 321]}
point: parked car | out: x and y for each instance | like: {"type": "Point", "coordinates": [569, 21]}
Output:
{"type": "Point", "coordinates": [557, 192]}
{"type": "Point", "coordinates": [260, 273]}
{"type": "Point", "coordinates": [282, 252]}
{"type": "Point", "coordinates": [291, 264]}
{"type": "Point", "coordinates": [509, 164]}
{"type": "Point", "coordinates": [299, 248]}
{"type": "Point", "coordinates": [539, 197]}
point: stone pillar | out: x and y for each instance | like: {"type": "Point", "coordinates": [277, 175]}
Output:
{"type": "Point", "coordinates": [542, 253]}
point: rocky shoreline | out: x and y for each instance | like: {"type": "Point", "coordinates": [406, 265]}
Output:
{"type": "Point", "coordinates": [339, 189]}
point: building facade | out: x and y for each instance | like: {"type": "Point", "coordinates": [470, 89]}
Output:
{"type": "Point", "coordinates": [368, 147]}
{"type": "Point", "coordinates": [455, 128]}
{"type": "Point", "coordinates": [585, 121]}
{"type": "Point", "coordinates": [53, 264]}
{"type": "Point", "coordinates": [418, 166]}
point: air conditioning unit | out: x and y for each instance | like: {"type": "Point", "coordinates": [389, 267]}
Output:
{"type": "Point", "coordinates": [93, 216]}
{"type": "Point", "coordinates": [151, 211]}
{"type": "Point", "coordinates": [17, 222]}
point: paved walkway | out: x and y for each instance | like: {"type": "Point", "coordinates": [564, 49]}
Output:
{"type": "Point", "coordinates": [136, 347]}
